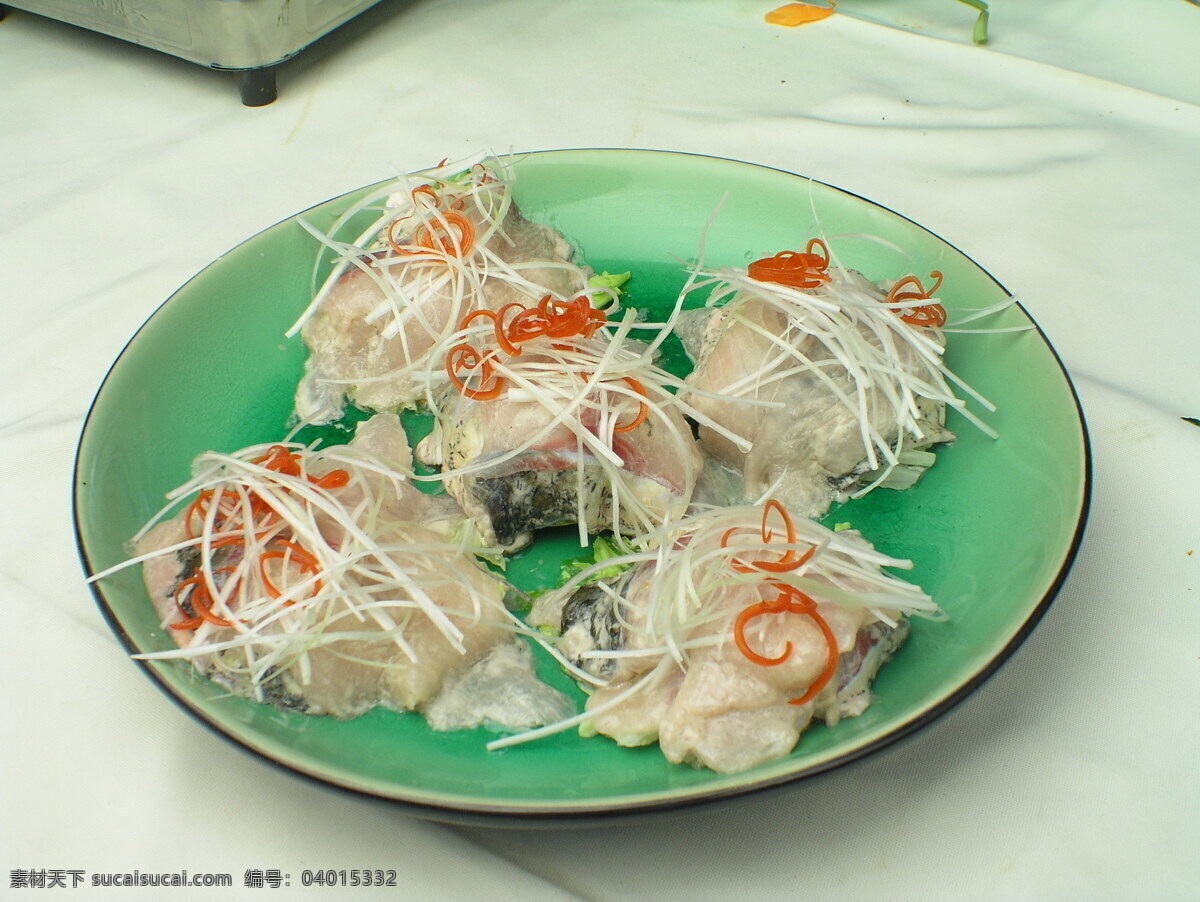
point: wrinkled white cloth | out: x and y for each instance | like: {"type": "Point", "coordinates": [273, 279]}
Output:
{"type": "Point", "coordinates": [1064, 157]}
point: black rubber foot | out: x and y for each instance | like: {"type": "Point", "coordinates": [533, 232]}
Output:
{"type": "Point", "coordinates": [257, 86]}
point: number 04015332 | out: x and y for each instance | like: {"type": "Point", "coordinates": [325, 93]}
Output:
{"type": "Point", "coordinates": [351, 877]}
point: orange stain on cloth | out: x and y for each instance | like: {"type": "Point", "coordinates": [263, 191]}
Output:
{"type": "Point", "coordinates": [791, 15]}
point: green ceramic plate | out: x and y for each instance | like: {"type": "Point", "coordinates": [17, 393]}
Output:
{"type": "Point", "coordinates": [992, 529]}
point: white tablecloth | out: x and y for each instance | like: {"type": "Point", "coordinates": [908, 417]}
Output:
{"type": "Point", "coordinates": [1064, 156]}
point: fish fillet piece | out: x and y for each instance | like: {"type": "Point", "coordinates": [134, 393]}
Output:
{"type": "Point", "coordinates": [373, 328]}
{"type": "Point", "coordinates": [722, 711]}
{"type": "Point", "coordinates": [856, 399]}
{"type": "Point", "coordinates": [361, 639]}
{"type": "Point", "coordinates": [523, 472]}
{"type": "Point", "coordinates": [666, 659]}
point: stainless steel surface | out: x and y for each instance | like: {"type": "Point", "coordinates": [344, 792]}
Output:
{"type": "Point", "coordinates": [220, 34]}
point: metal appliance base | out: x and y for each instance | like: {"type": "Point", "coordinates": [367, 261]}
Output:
{"type": "Point", "coordinates": [250, 38]}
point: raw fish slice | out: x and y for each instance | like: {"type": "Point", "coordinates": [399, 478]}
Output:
{"type": "Point", "coordinates": [374, 326]}
{"type": "Point", "coordinates": [721, 711]}
{"type": "Point", "coordinates": [661, 640]}
{"type": "Point", "coordinates": [551, 480]}
{"type": "Point", "coordinates": [366, 665]}
{"type": "Point", "coordinates": [847, 411]}
{"type": "Point", "coordinates": [555, 415]}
